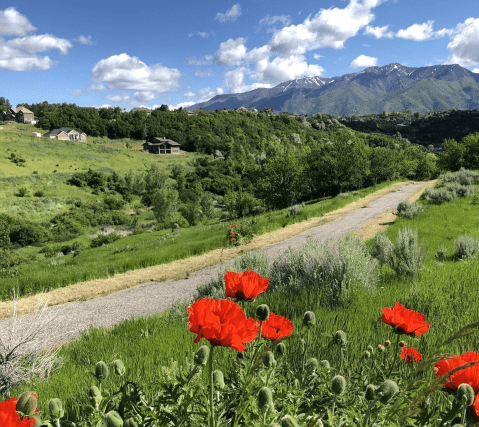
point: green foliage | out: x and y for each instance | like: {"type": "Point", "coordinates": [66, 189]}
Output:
{"type": "Point", "coordinates": [22, 192]}
{"type": "Point", "coordinates": [240, 204]}
{"type": "Point", "coordinates": [407, 256]}
{"type": "Point", "coordinates": [466, 246]}
{"type": "Point", "coordinates": [295, 210]}
{"type": "Point", "coordinates": [104, 239]}
{"type": "Point", "coordinates": [409, 210]}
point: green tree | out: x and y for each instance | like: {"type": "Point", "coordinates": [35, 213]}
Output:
{"type": "Point", "coordinates": [452, 156]}
{"type": "Point", "coordinates": [164, 202]}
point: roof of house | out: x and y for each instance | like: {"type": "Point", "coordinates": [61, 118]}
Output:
{"type": "Point", "coordinates": [158, 141]}
{"type": "Point", "coordinates": [23, 110]}
{"type": "Point", "coordinates": [57, 131]}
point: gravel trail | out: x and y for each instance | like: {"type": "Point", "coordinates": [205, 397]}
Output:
{"type": "Point", "coordinates": [154, 297]}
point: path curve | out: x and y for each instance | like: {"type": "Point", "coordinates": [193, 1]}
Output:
{"type": "Point", "coordinates": [154, 297]}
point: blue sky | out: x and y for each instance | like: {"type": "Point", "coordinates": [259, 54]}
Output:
{"type": "Point", "coordinates": [181, 52]}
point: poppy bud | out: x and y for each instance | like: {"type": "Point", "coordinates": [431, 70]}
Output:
{"type": "Point", "coordinates": [367, 354]}
{"type": "Point", "coordinates": [370, 392]}
{"type": "Point", "coordinates": [269, 360]}
{"type": "Point", "coordinates": [113, 419]}
{"type": "Point", "coordinates": [465, 394]}
{"type": "Point", "coordinates": [402, 344]}
{"type": "Point", "coordinates": [386, 390]}
{"type": "Point", "coordinates": [381, 348]}
{"type": "Point", "coordinates": [289, 421]}
{"type": "Point", "coordinates": [324, 364]}
{"type": "Point", "coordinates": [309, 319]}
{"type": "Point", "coordinates": [280, 349]}
{"type": "Point", "coordinates": [56, 408]}
{"type": "Point", "coordinates": [265, 398]}
{"type": "Point", "coordinates": [311, 365]}
{"type": "Point", "coordinates": [340, 338]}
{"type": "Point", "coordinates": [370, 349]}
{"type": "Point", "coordinates": [387, 343]}
{"type": "Point", "coordinates": [339, 384]}
{"type": "Point", "coordinates": [27, 403]}
{"type": "Point", "coordinates": [219, 379]}
{"type": "Point", "coordinates": [38, 420]}
{"type": "Point", "coordinates": [262, 312]}
{"type": "Point", "coordinates": [130, 421]}
{"type": "Point", "coordinates": [94, 394]}
{"type": "Point", "coordinates": [101, 370]}
{"type": "Point", "coordinates": [201, 356]}
{"type": "Point", "coordinates": [119, 367]}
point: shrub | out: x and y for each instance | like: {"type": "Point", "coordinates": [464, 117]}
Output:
{"type": "Point", "coordinates": [466, 190]}
{"type": "Point", "coordinates": [407, 256]}
{"type": "Point", "coordinates": [449, 177]}
{"type": "Point", "coordinates": [22, 192]}
{"type": "Point", "coordinates": [104, 239]}
{"type": "Point", "coordinates": [439, 195]}
{"type": "Point", "coordinates": [409, 210]}
{"type": "Point", "coordinates": [466, 246]}
{"type": "Point", "coordinates": [295, 210]}
{"type": "Point", "coordinates": [39, 193]}
{"type": "Point", "coordinates": [383, 248]}
{"type": "Point", "coordinates": [334, 268]}
{"type": "Point", "coordinates": [112, 203]}
{"type": "Point", "coordinates": [120, 218]}
{"type": "Point", "coordinates": [441, 253]}
{"type": "Point", "coordinates": [245, 231]}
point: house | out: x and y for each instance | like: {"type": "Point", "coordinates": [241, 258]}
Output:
{"type": "Point", "coordinates": [66, 134]}
{"type": "Point", "coordinates": [141, 109]}
{"type": "Point", "coordinates": [159, 145]}
{"type": "Point", "coordinates": [20, 115]}
{"type": "Point", "coordinates": [36, 134]}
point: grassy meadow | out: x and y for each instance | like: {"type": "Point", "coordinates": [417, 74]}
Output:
{"type": "Point", "coordinates": [446, 292]}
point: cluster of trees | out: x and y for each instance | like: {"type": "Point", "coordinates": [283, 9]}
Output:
{"type": "Point", "coordinates": [464, 153]}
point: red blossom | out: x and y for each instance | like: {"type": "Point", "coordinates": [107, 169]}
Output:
{"type": "Point", "coordinates": [405, 321]}
{"type": "Point", "coordinates": [468, 375]}
{"type": "Point", "coordinates": [410, 355]}
{"type": "Point", "coordinates": [9, 416]}
{"type": "Point", "coordinates": [244, 286]}
{"type": "Point", "coordinates": [276, 327]}
{"type": "Point", "coordinates": [222, 323]}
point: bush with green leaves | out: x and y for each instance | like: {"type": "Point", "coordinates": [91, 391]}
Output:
{"type": "Point", "coordinates": [408, 256]}
{"type": "Point", "coordinates": [295, 210]}
{"type": "Point", "coordinates": [467, 246]}
{"type": "Point", "coordinates": [409, 210]}
{"type": "Point", "coordinates": [104, 239]}
{"type": "Point", "coordinates": [438, 196]}
{"type": "Point", "coordinates": [383, 248]}
{"type": "Point", "coordinates": [113, 203]}
{"type": "Point", "coordinates": [22, 192]}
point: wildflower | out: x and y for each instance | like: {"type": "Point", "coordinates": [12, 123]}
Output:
{"type": "Point", "coordinates": [402, 344]}
{"type": "Point", "coordinates": [388, 343]}
{"type": "Point", "coordinates": [410, 355]}
{"type": "Point", "coordinates": [276, 327]}
{"type": "Point", "coordinates": [405, 321]}
{"type": "Point", "coordinates": [468, 375]}
{"type": "Point", "coordinates": [244, 286]}
{"type": "Point", "coordinates": [234, 225]}
{"type": "Point", "coordinates": [9, 416]}
{"type": "Point", "coordinates": [222, 323]}
{"type": "Point", "coordinates": [381, 347]}
{"type": "Point", "coordinates": [309, 319]}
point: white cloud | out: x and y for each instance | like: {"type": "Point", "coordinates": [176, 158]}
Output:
{"type": "Point", "coordinates": [230, 15]}
{"type": "Point", "coordinates": [475, 70]}
{"type": "Point", "coordinates": [181, 105]}
{"type": "Point", "coordinates": [208, 73]}
{"type": "Point", "coordinates": [122, 72]}
{"type": "Point", "coordinates": [231, 52]}
{"type": "Point", "coordinates": [76, 92]}
{"type": "Point", "coordinates": [84, 40]}
{"type": "Point", "coordinates": [207, 61]}
{"type": "Point", "coordinates": [317, 56]}
{"type": "Point", "coordinates": [270, 20]}
{"type": "Point", "coordinates": [417, 32]}
{"type": "Point", "coordinates": [20, 53]}
{"type": "Point", "coordinates": [379, 32]}
{"type": "Point", "coordinates": [364, 61]}
{"type": "Point", "coordinates": [204, 34]}
{"type": "Point", "coordinates": [189, 95]}
{"type": "Point", "coordinates": [13, 23]}
{"type": "Point", "coordinates": [465, 44]}
{"type": "Point", "coordinates": [97, 87]}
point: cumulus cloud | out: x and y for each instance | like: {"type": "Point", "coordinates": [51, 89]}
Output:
{"type": "Point", "coordinates": [20, 53]}
{"type": "Point", "coordinates": [417, 32]}
{"type": "Point", "coordinates": [76, 92]}
{"type": "Point", "coordinates": [270, 20]}
{"type": "Point", "coordinates": [379, 32]}
{"type": "Point", "coordinates": [364, 61]}
{"type": "Point", "coordinates": [207, 73]}
{"type": "Point", "coordinates": [204, 34]}
{"type": "Point", "coordinates": [465, 44]}
{"type": "Point", "coordinates": [231, 52]}
{"type": "Point", "coordinates": [189, 95]}
{"type": "Point", "coordinates": [208, 59]}
{"type": "Point", "coordinates": [84, 40]}
{"type": "Point", "coordinates": [475, 70]}
{"type": "Point", "coordinates": [317, 56]}
{"type": "Point", "coordinates": [122, 72]}
{"type": "Point", "coordinates": [230, 15]}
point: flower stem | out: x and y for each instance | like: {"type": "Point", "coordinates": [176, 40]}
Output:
{"type": "Point", "coordinates": [210, 361]}
{"type": "Point", "coordinates": [366, 417]}
{"type": "Point", "coordinates": [393, 363]}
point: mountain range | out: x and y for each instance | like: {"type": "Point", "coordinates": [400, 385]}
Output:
{"type": "Point", "coordinates": [392, 87]}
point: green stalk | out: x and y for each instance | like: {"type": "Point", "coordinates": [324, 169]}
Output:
{"type": "Point", "coordinates": [394, 358]}
{"type": "Point", "coordinates": [210, 362]}
{"type": "Point", "coordinates": [366, 417]}
{"type": "Point", "coordinates": [304, 353]}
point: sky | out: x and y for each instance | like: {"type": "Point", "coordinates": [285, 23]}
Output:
{"type": "Point", "coordinates": [147, 53]}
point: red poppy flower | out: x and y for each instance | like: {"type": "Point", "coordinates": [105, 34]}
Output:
{"type": "Point", "coordinates": [405, 321]}
{"type": "Point", "coordinates": [9, 416]}
{"type": "Point", "coordinates": [233, 239]}
{"type": "Point", "coordinates": [276, 327]}
{"type": "Point", "coordinates": [245, 286]}
{"type": "Point", "coordinates": [234, 225]}
{"type": "Point", "coordinates": [222, 323]}
{"type": "Point", "coordinates": [410, 355]}
{"type": "Point", "coordinates": [468, 375]}
{"type": "Point", "coordinates": [475, 406]}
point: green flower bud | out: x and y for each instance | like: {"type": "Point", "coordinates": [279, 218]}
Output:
{"type": "Point", "coordinates": [113, 419]}
{"type": "Point", "coordinates": [370, 392]}
{"type": "Point", "coordinates": [465, 394]}
{"type": "Point", "coordinates": [402, 344]}
{"type": "Point", "coordinates": [38, 420]}
{"type": "Point", "coordinates": [367, 354]}
{"type": "Point", "coordinates": [262, 312]}
{"type": "Point", "coordinates": [201, 356]}
{"type": "Point", "coordinates": [27, 403]}
{"type": "Point", "coordinates": [324, 364]}
{"type": "Point", "coordinates": [311, 364]}
{"type": "Point", "coordinates": [269, 360]}
{"type": "Point", "coordinates": [386, 391]}
{"type": "Point", "coordinates": [289, 421]}
{"type": "Point", "coordinates": [381, 348]}
{"type": "Point", "coordinates": [340, 338]}
{"type": "Point", "coordinates": [339, 384]}
{"type": "Point", "coordinates": [309, 319]}
{"type": "Point", "coordinates": [95, 395]}
{"type": "Point", "coordinates": [130, 421]}
{"type": "Point", "coordinates": [387, 343]}
{"type": "Point", "coordinates": [56, 408]}
{"type": "Point", "coordinates": [119, 367]}
{"type": "Point", "coordinates": [219, 379]}
{"type": "Point", "coordinates": [280, 349]}
{"type": "Point", "coordinates": [265, 398]}
{"type": "Point", "coordinates": [370, 349]}
{"type": "Point", "coordinates": [101, 370]}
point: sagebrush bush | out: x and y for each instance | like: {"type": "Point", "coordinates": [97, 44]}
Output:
{"type": "Point", "coordinates": [448, 177]}
{"type": "Point", "coordinates": [407, 256]}
{"type": "Point", "coordinates": [409, 210]}
{"type": "Point", "coordinates": [382, 249]}
{"type": "Point", "coordinates": [466, 190]}
{"type": "Point", "coordinates": [467, 246]}
{"type": "Point", "coordinates": [441, 253]}
{"type": "Point", "coordinates": [335, 268]}
{"type": "Point", "coordinates": [104, 239]}
{"type": "Point", "coordinates": [439, 195]}
{"type": "Point", "coordinates": [295, 210]}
